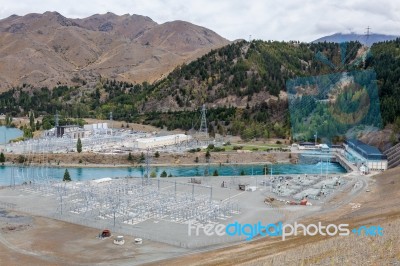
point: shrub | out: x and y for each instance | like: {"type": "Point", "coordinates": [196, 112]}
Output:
{"type": "Point", "coordinates": [21, 159]}
{"type": "Point", "coordinates": [163, 174]}
{"type": "Point", "coordinates": [227, 143]}
{"type": "Point", "coordinates": [66, 177]}
{"type": "Point", "coordinates": [79, 145]}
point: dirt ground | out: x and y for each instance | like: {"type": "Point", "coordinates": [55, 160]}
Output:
{"type": "Point", "coordinates": [26, 240]}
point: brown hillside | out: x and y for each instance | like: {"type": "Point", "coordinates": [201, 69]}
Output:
{"type": "Point", "coordinates": [44, 49]}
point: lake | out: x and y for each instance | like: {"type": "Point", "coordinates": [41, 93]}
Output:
{"type": "Point", "coordinates": [7, 134]}
{"type": "Point", "coordinates": [81, 174]}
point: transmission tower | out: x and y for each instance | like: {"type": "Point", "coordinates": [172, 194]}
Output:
{"type": "Point", "coordinates": [203, 126]}
{"type": "Point", "coordinates": [57, 119]}
{"type": "Point", "coordinates": [111, 122]}
{"type": "Point", "coordinates": [57, 124]}
{"type": "Point", "coordinates": [148, 166]}
{"type": "Point", "coordinates": [367, 34]}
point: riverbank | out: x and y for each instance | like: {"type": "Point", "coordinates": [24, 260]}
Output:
{"type": "Point", "coordinates": [89, 159]}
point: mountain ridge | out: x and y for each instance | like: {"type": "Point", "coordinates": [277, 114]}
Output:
{"type": "Point", "coordinates": [49, 49]}
{"type": "Point", "coordinates": [362, 38]}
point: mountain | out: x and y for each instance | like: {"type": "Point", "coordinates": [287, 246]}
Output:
{"type": "Point", "coordinates": [362, 38]}
{"type": "Point", "coordinates": [243, 86]}
{"type": "Point", "coordinates": [49, 49]}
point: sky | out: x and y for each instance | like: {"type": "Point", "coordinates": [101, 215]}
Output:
{"type": "Point", "coordinates": [303, 20]}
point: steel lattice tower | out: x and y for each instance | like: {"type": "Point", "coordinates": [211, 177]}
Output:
{"type": "Point", "coordinates": [203, 130]}
{"type": "Point", "coordinates": [56, 119]}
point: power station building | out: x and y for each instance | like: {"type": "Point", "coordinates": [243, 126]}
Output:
{"type": "Point", "coordinates": [365, 156]}
{"type": "Point", "coordinates": [75, 131]}
{"type": "Point", "coordinates": [154, 142]}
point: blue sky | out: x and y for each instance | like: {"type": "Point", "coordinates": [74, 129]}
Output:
{"type": "Point", "coordinates": [304, 20]}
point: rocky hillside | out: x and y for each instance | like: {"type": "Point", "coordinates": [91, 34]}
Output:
{"type": "Point", "coordinates": [49, 49]}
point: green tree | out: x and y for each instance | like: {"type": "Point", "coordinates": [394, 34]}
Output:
{"type": "Point", "coordinates": [153, 174]}
{"type": "Point", "coordinates": [242, 172]}
{"type": "Point", "coordinates": [66, 177]}
{"type": "Point", "coordinates": [266, 169]}
{"type": "Point", "coordinates": [208, 155]}
{"type": "Point", "coordinates": [2, 158]}
{"type": "Point", "coordinates": [215, 172]}
{"type": "Point", "coordinates": [163, 174]}
{"type": "Point", "coordinates": [27, 132]}
{"type": "Point", "coordinates": [130, 157]}
{"type": "Point", "coordinates": [8, 120]}
{"type": "Point", "coordinates": [32, 121]}
{"type": "Point", "coordinates": [196, 160]}
{"type": "Point", "coordinates": [157, 154]}
{"type": "Point", "coordinates": [142, 158]}
{"type": "Point", "coordinates": [79, 145]}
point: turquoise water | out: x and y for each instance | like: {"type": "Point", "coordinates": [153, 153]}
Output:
{"type": "Point", "coordinates": [80, 174]}
{"type": "Point", "coordinates": [7, 134]}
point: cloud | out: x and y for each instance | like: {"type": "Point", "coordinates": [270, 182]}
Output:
{"type": "Point", "coordinates": [263, 19]}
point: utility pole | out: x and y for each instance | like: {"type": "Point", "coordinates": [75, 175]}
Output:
{"type": "Point", "coordinates": [148, 166]}
{"type": "Point", "coordinates": [316, 137]}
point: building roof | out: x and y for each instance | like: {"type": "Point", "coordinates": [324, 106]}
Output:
{"type": "Point", "coordinates": [365, 150]}
{"type": "Point", "coordinates": [163, 138]}
{"type": "Point", "coordinates": [69, 126]}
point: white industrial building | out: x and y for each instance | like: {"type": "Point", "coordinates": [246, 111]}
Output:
{"type": "Point", "coordinates": [368, 157]}
{"type": "Point", "coordinates": [96, 127]}
{"type": "Point", "coordinates": [154, 142]}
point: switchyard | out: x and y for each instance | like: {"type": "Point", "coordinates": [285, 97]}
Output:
{"type": "Point", "coordinates": [160, 209]}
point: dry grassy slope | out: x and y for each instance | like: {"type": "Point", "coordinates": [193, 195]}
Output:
{"type": "Point", "coordinates": [43, 49]}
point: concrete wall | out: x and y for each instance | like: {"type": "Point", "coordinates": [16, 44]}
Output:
{"type": "Point", "coordinates": [377, 165]}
